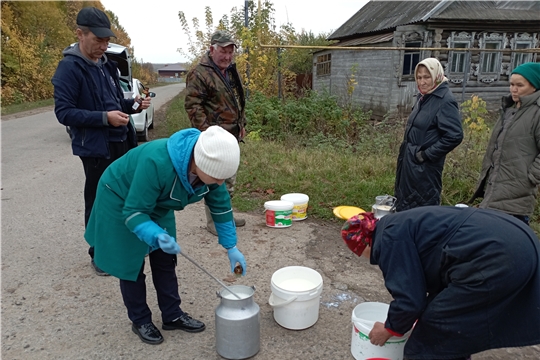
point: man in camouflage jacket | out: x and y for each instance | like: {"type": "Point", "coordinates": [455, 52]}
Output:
{"type": "Point", "coordinates": [214, 96]}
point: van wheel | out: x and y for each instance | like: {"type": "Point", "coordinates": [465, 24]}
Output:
{"type": "Point", "coordinates": [143, 136]}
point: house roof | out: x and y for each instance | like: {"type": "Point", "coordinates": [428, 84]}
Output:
{"type": "Point", "coordinates": [173, 67]}
{"type": "Point", "coordinates": [366, 40]}
{"type": "Point", "coordinates": [384, 15]}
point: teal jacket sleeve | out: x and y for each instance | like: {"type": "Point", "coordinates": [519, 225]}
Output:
{"type": "Point", "coordinates": [226, 234]}
{"type": "Point", "coordinates": [219, 203]}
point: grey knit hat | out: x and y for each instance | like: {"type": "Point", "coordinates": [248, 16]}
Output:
{"type": "Point", "coordinates": [217, 153]}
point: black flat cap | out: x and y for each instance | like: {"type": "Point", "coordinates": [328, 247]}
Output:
{"type": "Point", "coordinates": [96, 20]}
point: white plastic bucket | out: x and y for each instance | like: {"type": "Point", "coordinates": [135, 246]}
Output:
{"type": "Point", "coordinates": [295, 297]}
{"type": "Point", "coordinates": [300, 202]}
{"type": "Point", "coordinates": [364, 317]}
{"type": "Point", "coordinates": [278, 213]}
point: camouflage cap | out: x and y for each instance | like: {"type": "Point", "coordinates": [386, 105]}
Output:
{"type": "Point", "coordinates": [222, 38]}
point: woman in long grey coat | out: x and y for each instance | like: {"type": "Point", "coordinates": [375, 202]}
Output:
{"type": "Point", "coordinates": [510, 173]}
{"type": "Point", "coordinates": [433, 130]}
{"type": "Point", "coordinates": [464, 280]}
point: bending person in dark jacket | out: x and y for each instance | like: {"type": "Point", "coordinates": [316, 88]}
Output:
{"type": "Point", "coordinates": [89, 99]}
{"type": "Point", "coordinates": [464, 280]}
{"type": "Point", "coordinates": [433, 130]}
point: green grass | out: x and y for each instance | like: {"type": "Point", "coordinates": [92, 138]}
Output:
{"type": "Point", "coordinates": [15, 108]}
{"type": "Point", "coordinates": [331, 169]}
{"type": "Point", "coordinates": [331, 173]}
{"type": "Point", "coordinates": [269, 170]}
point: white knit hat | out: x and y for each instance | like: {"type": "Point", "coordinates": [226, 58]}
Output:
{"type": "Point", "coordinates": [217, 153]}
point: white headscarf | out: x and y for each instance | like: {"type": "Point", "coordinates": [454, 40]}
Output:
{"type": "Point", "coordinates": [436, 71]}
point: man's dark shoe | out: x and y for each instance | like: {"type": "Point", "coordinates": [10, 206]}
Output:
{"type": "Point", "coordinates": [186, 323]}
{"type": "Point", "coordinates": [148, 333]}
{"type": "Point", "coordinates": [98, 270]}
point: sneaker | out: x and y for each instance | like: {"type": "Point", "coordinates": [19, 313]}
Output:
{"type": "Point", "coordinates": [186, 323]}
{"type": "Point", "coordinates": [148, 333]}
{"type": "Point", "coordinates": [98, 270]}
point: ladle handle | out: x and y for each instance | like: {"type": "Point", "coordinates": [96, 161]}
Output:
{"type": "Point", "coordinates": [207, 273]}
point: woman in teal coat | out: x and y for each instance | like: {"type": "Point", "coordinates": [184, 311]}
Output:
{"type": "Point", "coordinates": [133, 216]}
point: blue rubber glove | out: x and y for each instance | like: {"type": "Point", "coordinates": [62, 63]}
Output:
{"type": "Point", "coordinates": [235, 256]}
{"type": "Point", "coordinates": [148, 232]}
{"type": "Point", "coordinates": [168, 244]}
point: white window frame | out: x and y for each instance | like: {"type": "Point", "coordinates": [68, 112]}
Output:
{"type": "Point", "coordinates": [490, 60]}
{"type": "Point", "coordinates": [520, 39]}
{"type": "Point", "coordinates": [490, 65]}
{"type": "Point", "coordinates": [521, 58]}
{"type": "Point", "coordinates": [461, 56]}
{"type": "Point", "coordinates": [462, 38]}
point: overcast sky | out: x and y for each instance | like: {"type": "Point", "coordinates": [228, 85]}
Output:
{"type": "Point", "coordinates": [155, 32]}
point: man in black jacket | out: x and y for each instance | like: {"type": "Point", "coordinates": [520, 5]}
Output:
{"type": "Point", "coordinates": [89, 99]}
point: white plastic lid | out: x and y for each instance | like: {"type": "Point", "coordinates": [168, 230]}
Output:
{"type": "Point", "coordinates": [278, 205]}
{"type": "Point", "coordinates": [296, 198]}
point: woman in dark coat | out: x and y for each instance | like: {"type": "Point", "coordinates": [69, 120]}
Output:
{"type": "Point", "coordinates": [467, 279]}
{"type": "Point", "coordinates": [433, 130]}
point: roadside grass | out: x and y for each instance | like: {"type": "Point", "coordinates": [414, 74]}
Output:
{"type": "Point", "coordinates": [15, 108]}
{"type": "Point", "coordinates": [332, 173]}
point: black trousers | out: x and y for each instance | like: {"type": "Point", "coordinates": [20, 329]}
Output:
{"type": "Point", "coordinates": [166, 285]}
{"type": "Point", "coordinates": [93, 169]}
{"type": "Point", "coordinates": [523, 218]}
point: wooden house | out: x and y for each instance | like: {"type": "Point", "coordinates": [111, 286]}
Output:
{"type": "Point", "coordinates": [383, 80]}
{"type": "Point", "coordinates": [172, 72]}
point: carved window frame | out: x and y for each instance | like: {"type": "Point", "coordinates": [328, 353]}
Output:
{"type": "Point", "coordinates": [414, 38]}
{"type": "Point", "coordinates": [517, 41]}
{"type": "Point", "coordinates": [465, 38]}
{"type": "Point", "coordinates": [411, 54]}
{"type": "Point", "coordinates": [491, 73]}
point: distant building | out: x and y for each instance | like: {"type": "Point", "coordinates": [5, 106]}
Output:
{"type": "Point", "coordinates": [172, 72]}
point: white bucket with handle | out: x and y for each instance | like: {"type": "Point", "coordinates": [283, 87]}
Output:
{"type": "Point", "coordinates": [295, 297]}
{"type": "Point", "coordinates": [364, 317]}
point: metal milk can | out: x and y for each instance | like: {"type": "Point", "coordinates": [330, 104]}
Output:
{"type": "Point", "coordinates": [237, 323]}
{"type": "Point", "coordinates": [384, 205]}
